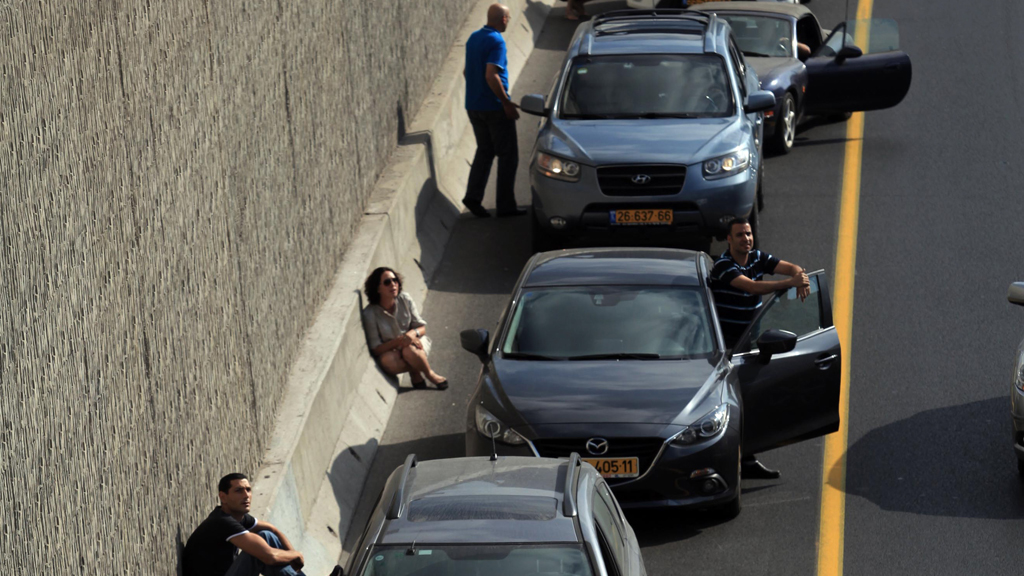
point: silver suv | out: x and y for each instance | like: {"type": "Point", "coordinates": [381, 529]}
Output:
{"type": "Point", "coordinates": [523, 516]}
{"type": "Point", "coordinates": [653, 126]}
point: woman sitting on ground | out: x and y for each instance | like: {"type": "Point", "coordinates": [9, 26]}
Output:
{"type": "Point", "coordinates": [396, 331]}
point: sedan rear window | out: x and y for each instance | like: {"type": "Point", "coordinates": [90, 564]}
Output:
{"type": "Point", "coordinates": [610, 322]}
{"type": "Point", "coordinates": [647, 86]}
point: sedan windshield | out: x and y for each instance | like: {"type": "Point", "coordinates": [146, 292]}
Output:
{"type": "Point", "coordinates": [761, 36]}
{"type": "Point", "coordinates": [647, 86]}
{"type": "Point", "coordinates": [477, 560]}
{"type": "Point", "coordinates": [609, 322]}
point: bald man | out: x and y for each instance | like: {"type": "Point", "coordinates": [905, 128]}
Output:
{"type": "Point", "coordinates": [493, 116]}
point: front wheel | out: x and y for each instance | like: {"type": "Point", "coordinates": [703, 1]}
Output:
{"type": "Point", "coordinates": [785, 126]}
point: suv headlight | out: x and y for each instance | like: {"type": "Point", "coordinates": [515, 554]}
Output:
{"type": "Point", "coordinates": [486, 423]}
{"type": "Point", "coordinates": [1018, 370]}
{"type": "Point", "coordinates": [727, 165]}
{"type": "Point", "coordinates": [707, 427]}
{"type": "Point", "coordinates": [557, 168]}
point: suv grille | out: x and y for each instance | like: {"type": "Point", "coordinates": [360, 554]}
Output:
{"type": "Point", "coordinates": [645, 449]}
{"type": "Point", "coordinates": [641, 180]}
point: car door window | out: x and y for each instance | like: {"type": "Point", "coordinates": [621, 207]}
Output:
{"type": "Point", "coordinates": [808, 32]}
{"type": "Point", "coordinates": [610, 528]}
{"type": "Point", "coordinates": [786, 311]}
{"type": "Point", "coordinates": [741, 69]}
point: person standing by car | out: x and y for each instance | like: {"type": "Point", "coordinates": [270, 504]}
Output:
{"type": "Point", "coordinates": [493, 116]}
{"type": "Point", "coordinates": [737, 285]}
{"type": "Point", "coordinates": [212, 547]}
{"type": "Point", "coordinates": [396, 332]}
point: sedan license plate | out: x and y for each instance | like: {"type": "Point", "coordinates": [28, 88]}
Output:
{"type": "Point", "coordinates": [645, 217]}
{"type": "Point", "coordinates": [616, 467]}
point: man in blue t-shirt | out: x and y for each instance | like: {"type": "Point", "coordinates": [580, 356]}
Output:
{"type": "Point", "coordinates": [737, 286]}
{"type": "Point", "coordinates": [493, 116]}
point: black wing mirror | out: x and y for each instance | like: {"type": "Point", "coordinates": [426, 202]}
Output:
{"type": "Point", "coordinates": [476, 341]}
{"type": "Point", "coordinates": [848, 51]}
{"type": "Point", "coordinates": [774, 342]}
{"type": "Point", "coordinates": [533, 104]}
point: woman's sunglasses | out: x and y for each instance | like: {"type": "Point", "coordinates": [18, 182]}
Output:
{"type": "Point", "coordinates": [390, 281]}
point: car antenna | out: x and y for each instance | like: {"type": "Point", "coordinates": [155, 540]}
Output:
{"type": "Point", "coordinates": [412, 549]}
{"type": "Point", "coordinates": [492, 432]}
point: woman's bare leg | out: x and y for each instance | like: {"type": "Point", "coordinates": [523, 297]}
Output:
{"type": "Point", "coordinates": [417, 360]}
{"type": "Point", "coordinates": [392, 363]}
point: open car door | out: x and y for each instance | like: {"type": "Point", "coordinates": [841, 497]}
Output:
{"type": "Point", "coordinates": [859, 67]}
{"type": "Point", "coordinates": [794, 395]}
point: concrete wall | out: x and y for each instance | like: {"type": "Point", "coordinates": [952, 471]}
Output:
{"type": "Point", "coordinates": [180, 181]}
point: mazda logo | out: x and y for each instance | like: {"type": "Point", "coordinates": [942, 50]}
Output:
{"type": "Point", "coordinates": [641, 179]}
{"type": "Point", "coordinates": [597, 446]}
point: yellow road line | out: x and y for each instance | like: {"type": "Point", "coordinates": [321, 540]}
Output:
{"type": "Point", "coordinates": [833, 476]}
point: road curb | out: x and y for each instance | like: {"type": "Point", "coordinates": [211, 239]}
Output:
{"type": "Point", "coordinates": [337, 401]}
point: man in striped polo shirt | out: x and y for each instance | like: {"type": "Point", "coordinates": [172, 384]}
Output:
{"type": "Point", "coordinates": [738, 287]}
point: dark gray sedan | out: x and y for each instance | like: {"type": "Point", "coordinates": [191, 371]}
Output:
{"type": "Point", "coordinates": [617, 354]}
{"type": "Point", "coordinates": [813, 71]}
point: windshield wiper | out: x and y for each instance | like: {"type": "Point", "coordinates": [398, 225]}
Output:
{"type": "Point", "coordinates": [756, 54]}
{"type": "Point", "coordinates": [648, 115]}
{"type": "Point", "coordinates": [618, 356]}
{"type": "Point", "coordinates": [527, 356]}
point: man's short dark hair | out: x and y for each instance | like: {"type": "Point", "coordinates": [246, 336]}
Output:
{"type": "Point", "coordinates": [734, 222]}
{"type": "Point", "coordinates": [225, 483]}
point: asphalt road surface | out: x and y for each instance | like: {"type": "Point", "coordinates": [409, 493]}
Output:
{"type": "Point", "coordinates": [931, 482]}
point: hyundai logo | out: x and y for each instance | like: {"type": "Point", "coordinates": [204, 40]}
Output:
{"type": "Point", "coordinates": [641, 179]}
{"type": "Point", "coordinates": [597, 446]}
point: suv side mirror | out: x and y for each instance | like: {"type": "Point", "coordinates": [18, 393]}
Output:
{"type": "Point", "coordinates": [533, 104]}
{"type": "Point", "coordinates": [476, 341]}
{"type": "Point", "coordinates": [774, 342]}
{"type": "Point", "coordinates": [759, 101]}
{"type": "Point", "coordinates": [848, 51]}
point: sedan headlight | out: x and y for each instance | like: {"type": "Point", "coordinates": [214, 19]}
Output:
{"type": "Point", "coordinates": [554, 167]}
{"type": "Point", "coordinates": [727, 165]}
{"type": "Point", "coordinates": [708, 426]}
{"type": "Point", "coordinates": [487, 424]}
{"type": "Point", "coordinates": [1018, 370]}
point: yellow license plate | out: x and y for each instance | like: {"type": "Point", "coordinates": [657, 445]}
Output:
{"type": "Point", "coordinates": [646, 217]}
{"type": "Point", "coordinates": [616, 467]}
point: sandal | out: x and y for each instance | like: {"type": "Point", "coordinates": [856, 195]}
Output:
{"type": "Point", "coordinates": [442, 385]}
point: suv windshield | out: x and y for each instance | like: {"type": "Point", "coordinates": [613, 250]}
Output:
{"type": "Point", "coordinates": [477, 560]}
{"type": "Point", "coordinates": [762, 36]}
{"type": "Point", "coordinates": [647, 86]}
{"type": "Point", "coordinates": [610, 322]}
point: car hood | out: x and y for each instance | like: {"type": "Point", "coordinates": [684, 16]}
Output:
{"type": "Point", "coordinates": [605, 391]}
{"type": "Point", "coordinates": [647, 141]}
{"type": "Point", "coordinates": [769, 68]}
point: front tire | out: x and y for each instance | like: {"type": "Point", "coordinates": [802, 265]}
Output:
{"type": "Point", "coordinates": [785, 126]}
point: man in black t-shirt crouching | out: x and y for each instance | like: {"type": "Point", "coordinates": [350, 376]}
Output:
{"type": "Point", "coordinates": [211, 548]}
{"type": "Point", "coordinates": [737, 285]}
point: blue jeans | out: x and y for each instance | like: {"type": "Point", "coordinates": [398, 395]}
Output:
{"type": "Point", "coordinates": [247, 565]}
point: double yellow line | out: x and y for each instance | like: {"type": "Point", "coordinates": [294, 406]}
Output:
{"type": "Point", "coordinates": [833, 476]}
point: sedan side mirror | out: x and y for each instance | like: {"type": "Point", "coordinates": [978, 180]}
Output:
{"type": "Point", "coordinates": [774, 342]}
{"type": "Point", "coordinates": [759, 101]}
{"type": "Point", "coordinates": [533, 104]}
{"type": "Point", "coordinates": [1016, 293]}
{"type": "Point", "coordinates": [476, 341]}
{"type": "Point", "coordinates": [848, 51]}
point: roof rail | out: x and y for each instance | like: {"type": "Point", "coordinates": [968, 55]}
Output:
{"type": "Point", "coordinates": [648, 14]}
{"type": "Point", "coordinates": [398, 500]}
{"type": "Point", "coordinates": [569, 494]}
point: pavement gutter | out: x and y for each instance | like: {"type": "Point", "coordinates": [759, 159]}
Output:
{"type": "Point", "coordinates": [337, 402]}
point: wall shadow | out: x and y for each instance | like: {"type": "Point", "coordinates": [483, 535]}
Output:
{"type": "Point", "coordinates": [955, 461]}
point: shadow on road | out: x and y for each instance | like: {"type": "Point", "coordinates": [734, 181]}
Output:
{"type": "Point", "coordinates": [955, 461]}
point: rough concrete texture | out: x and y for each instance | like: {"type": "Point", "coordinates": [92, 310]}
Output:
{"type": "Point", "coordinates": [180, 182]}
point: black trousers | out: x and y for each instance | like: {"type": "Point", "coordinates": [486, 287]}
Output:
{"type": "Point", "coordinates": [495, 136]}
